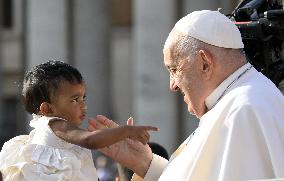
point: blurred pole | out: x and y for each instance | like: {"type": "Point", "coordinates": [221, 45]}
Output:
{"type": "Point", "coordinates": [154, 104]}
{"type": "Point", "coordinates": [92, 26]}
{"type": "Point", "coordinates": [25, 116]}
{"type": "Point", "coordinates": [281, 84]}
{"type": "Point", "coordinates": [46, 31]}
{"type": "Point", "coordinates": [1, 77]}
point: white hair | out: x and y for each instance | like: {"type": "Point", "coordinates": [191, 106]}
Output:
{"type": "Point", "coordinates": [183, 45]}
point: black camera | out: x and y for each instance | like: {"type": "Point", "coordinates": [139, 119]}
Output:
{"type": "Point", "coordinates": [261, 23]}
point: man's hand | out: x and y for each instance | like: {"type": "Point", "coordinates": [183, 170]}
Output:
{"type": "Point", "coordinates": [129, 153]}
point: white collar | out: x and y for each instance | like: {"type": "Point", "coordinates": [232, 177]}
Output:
{"type": "Point", "coordinates": [40, 121]}
{"type": "Point", "coordinates": [220, 91]}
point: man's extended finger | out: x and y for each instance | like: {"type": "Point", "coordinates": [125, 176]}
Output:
{"type": "Point", "coordinates": [105, 121]}
{"type": "Point", "coordinates": [93, 123]}
{"type": "Point", "coordinates": [91, 128]}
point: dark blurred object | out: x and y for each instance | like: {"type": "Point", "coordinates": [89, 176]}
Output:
{"type": "Point", "coordinates": [261, 23]}
{"type": "Point", "coordinates": [158, 150]}
{"type": "Point", "coordinates": [6, 11]}
{"type": "Point", "coordinates": [0, 176]}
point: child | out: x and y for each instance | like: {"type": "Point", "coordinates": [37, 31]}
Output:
{"type": "Point", "coordinates": [54, 92]}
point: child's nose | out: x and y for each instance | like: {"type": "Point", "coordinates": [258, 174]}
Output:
{"type": "Point", "coordinates": [84, 105]}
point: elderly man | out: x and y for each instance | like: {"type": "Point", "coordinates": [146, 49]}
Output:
{"type": "Point", "coordinates": [241, 130]}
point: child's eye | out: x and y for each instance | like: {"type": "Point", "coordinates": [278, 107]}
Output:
{"type": "Point", "coordinates": [75, 100]}
{"type": "Point", "coordinates": [78, 99]}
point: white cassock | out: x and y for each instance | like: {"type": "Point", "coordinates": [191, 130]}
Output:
{"type": "Point", "coordinates": [241, 137]}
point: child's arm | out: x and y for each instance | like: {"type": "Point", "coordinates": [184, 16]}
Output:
{"type": "Point", "coordinates": [100, 138]}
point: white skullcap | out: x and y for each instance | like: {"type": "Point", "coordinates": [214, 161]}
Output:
{"type": "Point", "coordinates": [211, 27]}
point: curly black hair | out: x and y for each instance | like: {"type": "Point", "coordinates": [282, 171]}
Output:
{"type": "Point", "coordinates": [42, 82]}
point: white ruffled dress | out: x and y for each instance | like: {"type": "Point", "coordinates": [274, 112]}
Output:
{"type": "Point", "coordinates": [42, 155]}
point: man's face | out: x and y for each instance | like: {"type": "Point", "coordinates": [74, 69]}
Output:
{"type": "Point", "coordinates": [69, 102]}
{"type": "Point", "coordinates": [184, 77]}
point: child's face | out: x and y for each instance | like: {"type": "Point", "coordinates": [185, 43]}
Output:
{"type": "Point", "coordinates": [69, 102]}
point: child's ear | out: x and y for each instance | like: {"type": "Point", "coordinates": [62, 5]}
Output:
{"type": "Point", "coordinates": [45, 109]}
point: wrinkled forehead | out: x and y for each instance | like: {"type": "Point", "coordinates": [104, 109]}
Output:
{"type": "Point", "coordinates": [170, 57]}
{"type": "Point", "coordinates": [171, 52]}
{"type": "Point", "coordinates": [173, 38]}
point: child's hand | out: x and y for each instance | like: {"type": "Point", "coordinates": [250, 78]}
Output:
{"type": "Point", "coordinates": [140, 133]}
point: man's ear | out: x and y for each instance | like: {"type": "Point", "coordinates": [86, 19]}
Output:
{"type": "Point", "coordinates": [206, 65]}
{"type": "Point", "coordinates": [45, 109]}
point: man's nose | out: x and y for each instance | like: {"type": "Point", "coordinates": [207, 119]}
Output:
{"type": "Point", "coordinates": [173, 85]}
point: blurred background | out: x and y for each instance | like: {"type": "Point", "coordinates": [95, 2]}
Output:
{"type": "Point", "coordinates": [116, 44]}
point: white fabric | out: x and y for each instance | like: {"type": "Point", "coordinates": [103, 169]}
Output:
{"type": "Point", "coordinates": [240, 138]}
{"type": "Point", "coordinates": [158, 164]}
{"type": "Point", "coordinates": [41, 155]}
{"type": "Point", "coordinates": [217, 93]}
{"type": "Point", "coordinates": [211, 27]}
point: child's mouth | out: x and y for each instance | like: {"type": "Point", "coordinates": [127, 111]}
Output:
{"type": "Point", "coordinates": [83, 116]}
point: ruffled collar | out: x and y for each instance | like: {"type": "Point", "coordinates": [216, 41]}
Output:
{"type": "Point", "coordinates": [39, 121]}
{"type": "Point", "coordinates": [44, 135]}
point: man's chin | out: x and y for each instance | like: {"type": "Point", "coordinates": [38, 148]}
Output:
{"type": "Point", "coordinates": [190, 110]}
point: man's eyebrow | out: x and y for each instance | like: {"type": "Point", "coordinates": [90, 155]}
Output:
{"type": "Point", "coordinates": [170, 65]}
